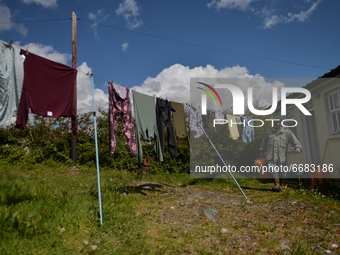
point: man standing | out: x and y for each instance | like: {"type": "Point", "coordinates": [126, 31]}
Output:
{"type": "Point", "coordinates": [274, 148]}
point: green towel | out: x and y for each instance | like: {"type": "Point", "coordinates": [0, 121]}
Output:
{"type": "Point", "coordinates": [9, 89]}
{"type": "Point", "coordinates": [145, 123]}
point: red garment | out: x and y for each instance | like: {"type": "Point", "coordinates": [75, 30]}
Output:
{"type": "Point", "coordinates": [48, 90]}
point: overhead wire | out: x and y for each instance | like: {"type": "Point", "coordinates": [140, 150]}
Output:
{"type": "Point", "coordinates": [175, 41]}
{"type": "Point", "coordinates": [32, 21]}
{"type": "Point", "coordinates": [203, 46]}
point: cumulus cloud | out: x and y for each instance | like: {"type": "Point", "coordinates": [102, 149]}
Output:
{"type": "Point", "coordinates": [173, 83]}
{"type": "Point", "coordinates": [270, 15]}
{"type": "Point", "coordinates": [44, 3]}
{"type": "Point", "coordinates": [6, 22]}
{"type": "Point", "coordinates": [130, 11]}
{"type": "Point", "coordinates": [97, 18]}
{"type": "Point", "coordinates": [84, 92]}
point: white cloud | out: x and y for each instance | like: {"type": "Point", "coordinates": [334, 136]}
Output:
{"type": "Point", "coordinates": [44, 3]}
{"type": "Point", "coordinates": [6, 21]}
{"type": "Point", "coordinates": [125, 46]}
{"type": "Point", "coordinates": [173, 83]}
{"type": "Point", "coordinates": [271, 16]}
{"type": "Point", "coordinates": [97, 17]}
{"type": "Point", "coordinates": [230, 4]}
{"type": "Point", "coordinates": [302, 16]}
{"type": "Point", "coordinates": [130, 11]}
{"type": "Point", "coordinates": [84, 92]}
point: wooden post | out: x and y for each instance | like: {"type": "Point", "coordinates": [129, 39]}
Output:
{"type": "Point", "coordinates": [74, 65]}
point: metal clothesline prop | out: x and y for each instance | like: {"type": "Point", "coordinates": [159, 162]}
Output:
{"type": "Point", "coordinates": [97, 158]}
{"type": "Point", "coordinates": [200, 125]}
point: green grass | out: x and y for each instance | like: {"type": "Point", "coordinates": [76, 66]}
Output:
{"type": "Point", "coordinates": [48, 210]}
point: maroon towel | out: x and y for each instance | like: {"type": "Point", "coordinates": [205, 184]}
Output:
{"type": "Point", "coordinates": [48, 90]}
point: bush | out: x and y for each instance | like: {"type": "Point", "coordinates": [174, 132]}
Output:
{"type": "Point", "coordinates": [46, 140]}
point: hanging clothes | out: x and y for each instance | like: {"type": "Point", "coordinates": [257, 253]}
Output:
{"type": "Point", "coordinates": [145, 123]}
{"type": "Point", "coordinates": [120, 106]}
{"type": "Point", "coordinates": [247, 131]}
{"type": "Point", "coordinates": [196, 123]}
{"type": "Point", "coordinates": [219, 115]}
{"type": "Point", "coordinates": [48, 90]}
{"type": "Point", "coordinates": [9, 87]}
{"type": "Point", "coordinates": [179, 120]}
{"type": "Point", "coordinates": [234, 134]}
{"type": "Point", "coordinates": [208, 119]}
{"type": "Point", "coordinates": [163, 117]}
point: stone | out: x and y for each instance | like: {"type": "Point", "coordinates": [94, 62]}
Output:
{"type": "Point", "coordinates": [224, 231]}
{"type": "Point", "coordinates": [236, 202]}
{"type": "Point", "coordinates": [334, 246]}
{"type": "Point", "coordinates": [94, 247]}
{"type": "Point", "coordinates": [62, 230]}
{"type": "Point", "coordinates": [209, 213]}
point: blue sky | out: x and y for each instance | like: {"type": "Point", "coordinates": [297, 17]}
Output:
{"type": "Point", "coordinates": [159, 45]}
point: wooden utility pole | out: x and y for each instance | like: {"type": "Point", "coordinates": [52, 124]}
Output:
{"type": "Point", "coordinates": [74, 65]}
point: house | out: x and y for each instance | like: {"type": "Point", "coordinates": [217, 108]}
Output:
{"type": "Point", "coordinates": [319, 133]}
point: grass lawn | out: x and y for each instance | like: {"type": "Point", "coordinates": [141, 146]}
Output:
{"type": "Point", "coordinates": [50, 210]}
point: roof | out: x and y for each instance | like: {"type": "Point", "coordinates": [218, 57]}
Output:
{"type": "Point", "coordinates": [319, 81]}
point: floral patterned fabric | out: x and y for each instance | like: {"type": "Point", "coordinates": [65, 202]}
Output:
{"type": "Point", "coordinates": [121, 107]}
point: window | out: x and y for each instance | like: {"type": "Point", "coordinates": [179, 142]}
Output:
{"type": "Point", "coordinates": [334, 110]}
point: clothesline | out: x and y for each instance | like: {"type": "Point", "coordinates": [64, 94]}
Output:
{"type": "Point", "coordinates": [53, 111]}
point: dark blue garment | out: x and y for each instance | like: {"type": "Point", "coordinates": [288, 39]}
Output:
{"type": "Point", "coordinates": [248, 131]}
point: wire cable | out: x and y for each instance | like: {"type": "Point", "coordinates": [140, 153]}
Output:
{"type": "Point", "coordinates": [32, 21]}
{"type": "Point", "coordinates": [176, 41]}
{"type": "Point", "coordinates": [204, 46]}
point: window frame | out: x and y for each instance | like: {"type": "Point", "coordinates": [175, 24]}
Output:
{"type": "Point", "coordinates": [333, 112]}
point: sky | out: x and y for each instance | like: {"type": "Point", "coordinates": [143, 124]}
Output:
{"type": "Point", "coordinates": [156, 46]}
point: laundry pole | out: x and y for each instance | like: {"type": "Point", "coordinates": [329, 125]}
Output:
{"type": "Point", "coordinates": [97, 157]}
{"type": "Point", "coordinates": [74, 65]}
{"type": "Point", "coordinates": [217, 152]}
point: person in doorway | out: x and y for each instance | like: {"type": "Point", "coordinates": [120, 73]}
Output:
{"type": "Point", "coordinates": [274, 147]}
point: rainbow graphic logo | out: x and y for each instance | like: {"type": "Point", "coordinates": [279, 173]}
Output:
{"type": "Point", "coordinates": [209, 93]}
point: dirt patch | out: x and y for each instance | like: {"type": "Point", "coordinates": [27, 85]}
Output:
{"type": "Point", "coordinates": [193, 220]}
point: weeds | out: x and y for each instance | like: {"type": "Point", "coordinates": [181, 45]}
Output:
{"type": "Point", "coordinates": [47, 210]}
